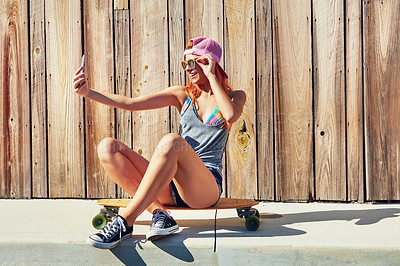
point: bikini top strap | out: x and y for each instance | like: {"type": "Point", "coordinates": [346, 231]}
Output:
{"type": "Point", "coordinates": [186, 105]}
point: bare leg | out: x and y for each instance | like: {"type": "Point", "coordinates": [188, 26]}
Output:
{"type": "Point", "coordinates": [174, 159]}
{"type": "Point", "coordinates": [127, 168]}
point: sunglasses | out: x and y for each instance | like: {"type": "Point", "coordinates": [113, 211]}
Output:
{"type": "Point", "coordinates": [191, 63]}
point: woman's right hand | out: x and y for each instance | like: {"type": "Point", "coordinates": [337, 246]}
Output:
{"type": "Point", "coordinates": [80, 83]}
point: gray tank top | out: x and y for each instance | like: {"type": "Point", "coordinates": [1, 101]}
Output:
{"type": "Point", "coordinates": [207, 139]}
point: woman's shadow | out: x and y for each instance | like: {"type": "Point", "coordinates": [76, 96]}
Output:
{"type": "Point", "coordinates": [272, 225]}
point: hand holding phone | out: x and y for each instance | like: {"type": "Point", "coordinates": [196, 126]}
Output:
{"type": "Point", "coordinates": [83, 63]}
{"type": "Point", "coordinates": [80, 84]}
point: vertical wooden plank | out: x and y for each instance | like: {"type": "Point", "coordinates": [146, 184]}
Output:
{"type": "Point", "coordinates": [354, 102]}
{"type": "Point", "coordinates": [177, 75]}
{"type": "Point", "coordinates": [265, 119]}
{"type": "Point", "coordinates": [240, 66]}
{"type": "Point", "coordinates": [382, 97]}
{"type": "Point", "coordinates": [98, 46]}
{"type": "Point", "coordinates": [15, 159]}
{"type": "Point", "coordinates": [121, 4]}
{"type": "Point", "coordinates": [149, 57]}
{"type": "Point", "coordinates": [293, 99]}
{"type": "Point", "coordinates": [123, 78]}
{"type": "Point", "coordinates": [204, 18]}
{"type": "Point", "coordinates": [38, 100]}
{"type": "Point", "coordinates": [65, 107]}
{"type": "Point", "coordinates": [329, 98]}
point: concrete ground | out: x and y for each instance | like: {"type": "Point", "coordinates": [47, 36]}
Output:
{"type": "Point", "coordinates": [47, 232]}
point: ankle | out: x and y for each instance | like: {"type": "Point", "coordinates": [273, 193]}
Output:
{"type": "Point", "coordinates": [163, 210]}
{"type": "Point", "coordinates": [126, 221]}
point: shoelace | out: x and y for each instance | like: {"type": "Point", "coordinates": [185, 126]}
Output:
{"type": "Point", "coordinates": [160, 217]}
{"type": "Point", "coordinates": [116, 225]}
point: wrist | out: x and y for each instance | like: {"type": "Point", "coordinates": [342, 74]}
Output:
{"type": "Point", "coordinates": [211, 76]}
{"type": "Point", "coordinates": [87, 94]}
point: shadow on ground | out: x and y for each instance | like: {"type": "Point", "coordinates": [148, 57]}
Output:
{"type": "Point", "coordinates": [128, 254]}
{"type": "Point", "coordinates": [272, 225]}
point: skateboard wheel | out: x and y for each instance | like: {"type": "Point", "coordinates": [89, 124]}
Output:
{"type": "Point", "coordinates": [252, 223]}
{"type": "Point", "coordinates": [99, 222]}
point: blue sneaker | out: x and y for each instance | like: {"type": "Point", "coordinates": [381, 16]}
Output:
{"type": "Point", "coordinates": [161, 226]}
{"type": "Point", "coordinates": [112, 234]}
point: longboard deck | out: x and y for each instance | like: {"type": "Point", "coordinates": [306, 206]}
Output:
{"type": "Point", "coordinates": [242, 206]}
{"type": "Point", "coordinates": [224, 203]}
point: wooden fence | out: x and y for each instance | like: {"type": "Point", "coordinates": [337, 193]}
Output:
{"type": "Point", "coordinates": [322, 79]}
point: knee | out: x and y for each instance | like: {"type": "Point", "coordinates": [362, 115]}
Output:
{"type": "Point", "coordinates": [170, 144]}
{"type": "Point", "coordinates": [107, 148]}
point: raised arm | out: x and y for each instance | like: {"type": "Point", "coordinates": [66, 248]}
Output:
{"type": "Point", "coordinates": [172, 96]}
{"type": "Point", "coordinates": [231, 106]}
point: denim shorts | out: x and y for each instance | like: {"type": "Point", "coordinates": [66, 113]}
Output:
{"type": "Point", "coordinates": [179, 201]}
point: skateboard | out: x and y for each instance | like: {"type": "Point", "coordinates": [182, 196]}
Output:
{"type": "Point", "coordinates": [243, 207]}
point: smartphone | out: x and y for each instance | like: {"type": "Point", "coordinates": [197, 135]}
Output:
{"type": "Point", "coordinates": [83, 62]}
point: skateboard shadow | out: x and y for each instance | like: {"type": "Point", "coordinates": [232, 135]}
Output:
{"type": "Point", "coordinates": [229, 227]}
{"type": "Point", "coordinates": [271, 225]}
{"type": "Point", "coordinates": [127, 251]}
{"type": "Point", "coordinates": [360, 217]}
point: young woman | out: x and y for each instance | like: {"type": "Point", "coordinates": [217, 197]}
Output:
{"type": "Point", "coordinates": [185, 169]}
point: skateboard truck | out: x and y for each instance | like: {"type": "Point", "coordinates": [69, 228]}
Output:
{"type": "Point", "coordinates": [106, 214]}
{"type": "Point", "coordinates": [252, 217]}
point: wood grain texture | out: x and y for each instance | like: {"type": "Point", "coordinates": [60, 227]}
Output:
{"type": "Point", "coordinates": [38, 99]}
{"type": "Point", "coordinates": [240, 65]}
{"type": "Point", "coordinates": [177, 75]}
{"type": "Point", "coordinates": [121, 4]}
{"type": "Point", "coordinates": [65, 107]}
{"type": "Point", "coordinates": [123, 79]}
{"type": "Point", "coordinates": [98, 45]}
{"type": "Point", "coordinates": [382, 97]}
{"type": "Point", "coordinates": [204, 18]}
{"type": "Point", "coordinates": [264, 90]}
{"type": "Point", "coordinates": [329, 99]}
{"type": "Point", "coordinates": [15, 159]}
{"type": "Point", "coordinates": [293, 100]}
{"type": "Point", "coordinates": [149, 55]}
{"type": "Point", "coordinates": [222, 204]}
{"type": "Point", "coordinates": [354, 102]}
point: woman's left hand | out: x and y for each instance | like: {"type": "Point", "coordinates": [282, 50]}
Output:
{"type": "Point", "coordinates": [207, 63]}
